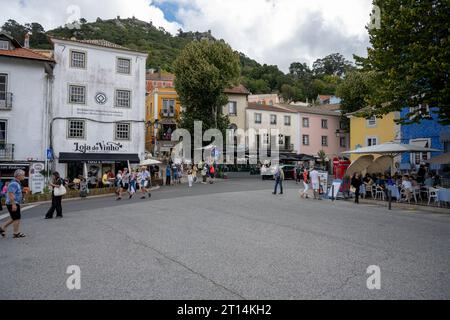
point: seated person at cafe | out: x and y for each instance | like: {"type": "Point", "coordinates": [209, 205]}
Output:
{"type": "Point", "coordinates": [368, 180]}
{"type": "Point", "coordinates": [105, 180]}
{"type": "Point", "coordinates": [429, 181]}
{"type": "Point", "coordinates": [407, 186]}
{"type": "Point", "coordinates": [380, 181]}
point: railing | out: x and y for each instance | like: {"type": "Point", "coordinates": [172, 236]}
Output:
{"type": "Point", "coordinates": [287, 147]}
{"type": "Point", "coordinates": [7, 152]}
{"type": "Point", "coordinates": [6, 100]}
{"type": "Point", "coordinates": [168, 115]}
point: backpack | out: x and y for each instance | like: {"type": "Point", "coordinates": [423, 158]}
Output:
{"type": "Point", "coordinates": [278, 174]}
{"type": "Point", "coordinates": [211, 170]}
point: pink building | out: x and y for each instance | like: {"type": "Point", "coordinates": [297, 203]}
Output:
{"type": "Point", "coordinates": [320, 128]}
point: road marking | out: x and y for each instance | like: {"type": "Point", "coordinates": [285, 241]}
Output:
{"type": "Point", "coordinates": [4, 216]}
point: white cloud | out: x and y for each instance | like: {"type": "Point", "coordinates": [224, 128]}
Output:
{"type": "Point", "coordinates": [270, 31]}
{"type": "Point", "coordinates": [54, 13]}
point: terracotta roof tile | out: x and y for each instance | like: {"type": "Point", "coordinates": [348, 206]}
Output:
{"type": "Point", "coordinates": [240, 89]}
{"type": "Point", "coordinates": [265, 107]}
{"type": "Point", "coordinates": [322, 110]}
{"type": "Point", "coordinates": [97, 42]}
{"type": "Point", "coordinates": [24, 54]}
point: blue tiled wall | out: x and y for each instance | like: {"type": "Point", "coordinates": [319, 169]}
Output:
{"type": "Point", "coordinates": [426, 129]}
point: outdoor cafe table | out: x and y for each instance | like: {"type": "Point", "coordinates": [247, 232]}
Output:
{"type": "Point", "coordinates": [443, 195]}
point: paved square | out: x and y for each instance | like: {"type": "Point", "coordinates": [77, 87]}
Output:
{"type": "Point", "coordinates": [230, 240]}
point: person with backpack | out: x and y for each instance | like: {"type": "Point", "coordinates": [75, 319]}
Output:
{"type": "Point", "coordinates": [279, 177]}
{"type": "Point", "coordinates": [212, 174]}
{"type": "Point", "coordinates": [306, 181]}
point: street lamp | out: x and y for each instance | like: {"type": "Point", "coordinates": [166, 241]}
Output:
{"type": "Point", "coordinates": [156, 125]}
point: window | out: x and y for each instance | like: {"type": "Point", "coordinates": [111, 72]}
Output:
{"type": "Point", "coordinates": [287, 120]}
{"type": "Point", "coordinates": [3, 128]}
{"type": "Point", "coordinates": [419, 157]}
{"type": "Point", "coordinates": [78, 59]}
{"type": "Point", "coordinates": [232, 108]}
{"type": "Point", "coordinates": [123, 99]}
{"type": "Point", "coordinates": [324, 141]}
{"type": "Point", "coordinates": [324, 124]}
{"type": "Point", "coordinates": [273, 119]}
{"type": "Point", "coordinates": [371, 141]}
{"type": "Point", "coordinates": [168, 107]}
{"type": "Point", "coordinates": [305, 122]}
{"type": "Point", "coordinates": [258, 118]}
{"type": "Point", "coordinates": [4, 45]}
{"type": "Point", "coordinates": [122, 131]}
{"type": "Point", "coordinates": [123, 65]}
{"type": "Point", "coordinates": [271, 103]}
{"type": "Point", "coordinates": [77, 94]}
{"type": "Point", "coordinates": [306, 140]}
{"type": "Point", "coordinates": [372, 122]}
{"type": "Point", "coordinates": [76, 129]}
{"type": "Point", "coordinates": [3, 86]}
{"type": "Point", "coordinates": [343, 142]}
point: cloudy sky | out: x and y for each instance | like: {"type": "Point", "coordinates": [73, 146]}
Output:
{"type": "Point", "coordinates": [269, 31]}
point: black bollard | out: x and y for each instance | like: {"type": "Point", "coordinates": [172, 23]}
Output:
{"type": "Point", "coordinates": [390, 199]}
{"type": "Point", "coordinates": [332, 193]}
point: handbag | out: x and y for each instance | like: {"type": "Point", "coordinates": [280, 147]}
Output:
{"type": "Point", "coordinates": [352, 189]}
{"type": "Point", "coordinates": [59, 191]}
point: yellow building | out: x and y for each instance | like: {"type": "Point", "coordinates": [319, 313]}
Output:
{"type": "Point", "coordinates": [163, 105]}
{"type": "Point", "coordinates": [373, 131]}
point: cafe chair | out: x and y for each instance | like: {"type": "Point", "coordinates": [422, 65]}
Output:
{"type": "Point", "coordinates": [432, 194]}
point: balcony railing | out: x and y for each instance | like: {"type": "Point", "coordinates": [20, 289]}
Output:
{"type": "Point", "coordinates": [163, 114]}
{"type": "Point", "coordinates": [6, 100]}
{"type": "Point", "coordinates": [7, 152]}
{"type": "Point", "coordinates": [287, 147]}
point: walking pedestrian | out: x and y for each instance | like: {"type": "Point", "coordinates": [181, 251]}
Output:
{"type": "Point", "coordinates": [144, 182]}
{"type": "Point", "coordinates": [4, 194]}
{"type": "Point", "coordinates": [279, 177]}
{"type": "Point", "coordinates": [212, 174]}
{"type": "Point", "coordinates": [118, 182]}
{"type": "Point", "coordinates": [356, 183]}
{"type": "Point", "coordinates": [190, 177]}
{"type": "Point", "coordinates": [315, 183]}
{"type": "Point", "coordinates": [133, 183]}
{"type": "Point", "coordinates": [204, 173]}
{"type": "Point", "coordinates": [306, 181]}
{"type": "Point", "coordinates": [125, 185]}
{"type": "Point", "coordinates": [56, 182]}
{"type": "Point", "coordinates": [168, 175]}
{"type": "Point", "coordinates": [13, 201]}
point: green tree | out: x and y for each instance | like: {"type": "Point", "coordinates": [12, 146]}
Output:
{"type": "Point", "coordinates": [204, 69]}
{"type": "Point", "coordinates": [411, 55]}
{"type": "Point", "coordinates": [354, 89]}
{"type": "Point", "coordinates": [15, 30]}
{"type": "Point", "coordinates": [333, 65]}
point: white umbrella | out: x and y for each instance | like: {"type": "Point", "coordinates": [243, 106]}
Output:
{"type": "Point", "coordinates": [360, 164]}
{"type": "Point", "coordinates": [392, 150]}
{"type": "Point", "coordinates": [150, 162]}
{"type": "Point", "coordinates": [380, 165]}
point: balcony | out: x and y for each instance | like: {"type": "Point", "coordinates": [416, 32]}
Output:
{"type": "Point", "coordinates": [286, 147]}
{"type": "Point", "coordinates": [164, 115]}
{"type": "Point", "coordinates": [6, 152]}
{"type": "Point", "coordinates": [6, 100]}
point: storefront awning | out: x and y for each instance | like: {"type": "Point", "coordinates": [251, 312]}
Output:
{"type": "Point", "coordinates": [86, 157]}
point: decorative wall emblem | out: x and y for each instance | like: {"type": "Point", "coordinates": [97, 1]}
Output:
{"type": "Point", "coordinates": [101, 98]}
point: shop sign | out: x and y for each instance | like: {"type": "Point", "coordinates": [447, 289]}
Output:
{"type": "Point", "coordinates": [101, 146]}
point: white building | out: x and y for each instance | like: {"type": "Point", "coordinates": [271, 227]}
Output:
{"type": "Point", "coordinates": [271, 118]}
{"type": "Point", "coordinates": [98, 111]}
{"type": "Point", "coordinates": [25, 82]}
